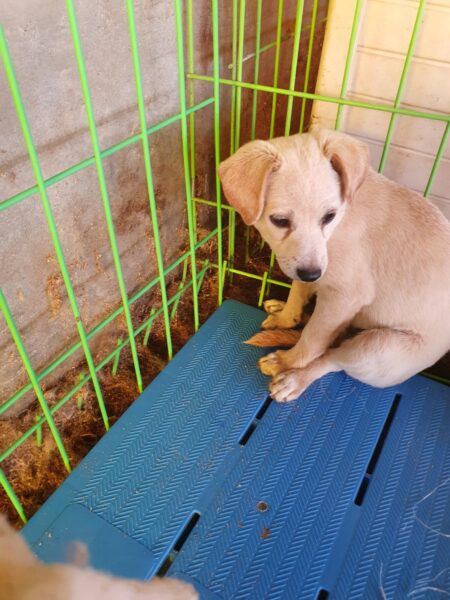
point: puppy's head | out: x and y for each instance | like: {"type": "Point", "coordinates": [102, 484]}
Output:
{"type": "Point", "coordinates": [295, 191]}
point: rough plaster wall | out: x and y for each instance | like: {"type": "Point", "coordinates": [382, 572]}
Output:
{"type": "Point", "coordinates": [41, 49]}
{"type": "Point", "coordinates": [42, 52]}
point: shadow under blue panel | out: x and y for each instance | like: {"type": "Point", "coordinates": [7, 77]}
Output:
{"type": "Point", "coordinates": [340, 494]}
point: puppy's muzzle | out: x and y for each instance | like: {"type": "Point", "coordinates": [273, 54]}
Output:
{"type": "Point", "coordinates": [309, 275]}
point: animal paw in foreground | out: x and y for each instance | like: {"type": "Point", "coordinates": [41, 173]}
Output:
{"type": "Point", "coordinates": [289, 385]}
{"type": "Point", "coordinates": [273, 306]}
{"type": "Point", "coordinates": [271, 364]}
{"type": "Point", "coordinates": [278, 317]}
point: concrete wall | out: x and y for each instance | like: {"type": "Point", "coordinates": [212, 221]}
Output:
{"type": "Point", "coordinates": [41, 49]}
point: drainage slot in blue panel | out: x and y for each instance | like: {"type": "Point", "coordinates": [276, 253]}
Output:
{"type": "Point", "coordinates": [377, 451]}
{"type": "Point", "coordinates": [179, 543]}
{"type": "Point", "coordinates": [262, 411]}
{"type": "Point", "coordinates": [250, 429]}
{"type": "Point", "coordinates": [322, 594]}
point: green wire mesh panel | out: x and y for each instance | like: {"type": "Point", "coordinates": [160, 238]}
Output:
{"type": "Point", "coordinates": [228, 72]}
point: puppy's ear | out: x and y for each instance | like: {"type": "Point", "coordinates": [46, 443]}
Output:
{"type": "Point", "coordinates": [245, 177]}
{"type": "Point", "coordinates": [349, 157]}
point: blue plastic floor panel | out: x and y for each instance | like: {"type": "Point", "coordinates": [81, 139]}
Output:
{"type": "Point", "coordinates": [344, 493]}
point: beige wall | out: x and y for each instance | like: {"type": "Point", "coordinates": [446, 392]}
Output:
{"type": "Point", "coordinates": [382, 43]}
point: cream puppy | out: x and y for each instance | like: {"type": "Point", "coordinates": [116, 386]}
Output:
{"type": "Point", "coordinates": [24, 577]}
{"type": "Point", "coordinates": [375, 254]}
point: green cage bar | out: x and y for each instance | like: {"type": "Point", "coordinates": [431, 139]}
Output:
{"type": "Point", "coordinates": [148, 172]}
{"type": "Point", "coordinates": [234, 46]}
{"type": "Point", "coordinates": [237, 118]}
{"type": "Point", "coordinates": [276, 67]}
{"type": "Point", "coordinates": [231, 238]}
{"type": "Point", "coordinates": [255, 276]}
{"type": "Point", "coordinates": [65, 355]}
{"type": "Point", "coordinates": [437, 160]}
{"type": "Point", "coordinates": [308, 62]}
{"type": "Point", "coordinates": [185, 150]}
{"type": "Point", "coordinates": [254, 101]}
{"type": "Point", "coordinates": [348, 60]}
{"type": "Point", "coordinates": [4, 308]}
{"type": "Point", "coordinates": [149, 327]}
{"type": "Point", "coordinates": [270, 271]}
{"type": "Point", "coordinates": [12, 496]}
{"type": "Point", "coordinates": [239, 71]}
{"type": "Point", "coordinates": [294, 64]}
{"type": "Point", "coordinates": [180, 287]}
{"type": "Point", "coordinates": [331, 99]}
{"type": "Point", "coordinates": [116, 357]}
{"type": "Point", "coordinates": [234, 42]}
{"type": "Point", "coordinates": [108, 152]}
{"type": "Point", "coordinates": [102, 183]}
{"type": "Point", "coordinates": [402, 83]}
{"type": "Point", "coordinates": [263, 288]}
{"type": "Point", "coordinates": [216, 75]}
{"type": "Point", "coordinates": [19, 106]}
{"type": "Point", "coordinates": [38, 433]}
{"type": "Point", "coordinates": [256, 66]}
{"type": "Point", "coordinates": [191, 94]}
{"type": "Point", "coordinates": [283, 38]}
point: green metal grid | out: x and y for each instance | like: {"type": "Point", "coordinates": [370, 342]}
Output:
{"type": "Point", "coordinates": [185, 117]}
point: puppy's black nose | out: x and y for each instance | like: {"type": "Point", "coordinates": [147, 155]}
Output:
{"type": "Point", "coordinates": [309, 276]}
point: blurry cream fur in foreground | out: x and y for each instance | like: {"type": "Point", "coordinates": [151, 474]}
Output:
{"type": "Point", "coordinates": [24, 577]}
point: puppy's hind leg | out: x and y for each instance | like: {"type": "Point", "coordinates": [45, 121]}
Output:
{"type": "Point", "coordinates": [382, 357]}
{"type": "Point", "coordinates": [379, 357]}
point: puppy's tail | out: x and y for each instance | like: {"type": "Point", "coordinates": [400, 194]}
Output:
{"type": "Point", "coordinates": [275, 337]}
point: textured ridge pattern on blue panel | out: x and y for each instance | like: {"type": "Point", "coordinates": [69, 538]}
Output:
{"type": "Point", "coordinates": [300, 509]}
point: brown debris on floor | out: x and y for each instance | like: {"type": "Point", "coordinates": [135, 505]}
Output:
{"type": "Point", "coordinates": [33, 471]}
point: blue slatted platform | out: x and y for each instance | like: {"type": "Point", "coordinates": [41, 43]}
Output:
{"type": "Point", "coordinates": [342, 494]}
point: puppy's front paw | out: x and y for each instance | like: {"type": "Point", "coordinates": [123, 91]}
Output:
{"type": "Point", "coordinates": [279, 317]}
{"type": "Point", "coordinates": [271, 364]}
{"type": "Point", "coordinates": [287, 386]}
{"type": "Point", "coordinates": [273, 306]}
{"type": "Point", "coordinates": [279, 320]}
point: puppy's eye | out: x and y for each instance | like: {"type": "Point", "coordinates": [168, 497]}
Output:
{"type": "Point", "coordinates": [281, 222]}
{"type": "Point", "coordinates": [329, 216]}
